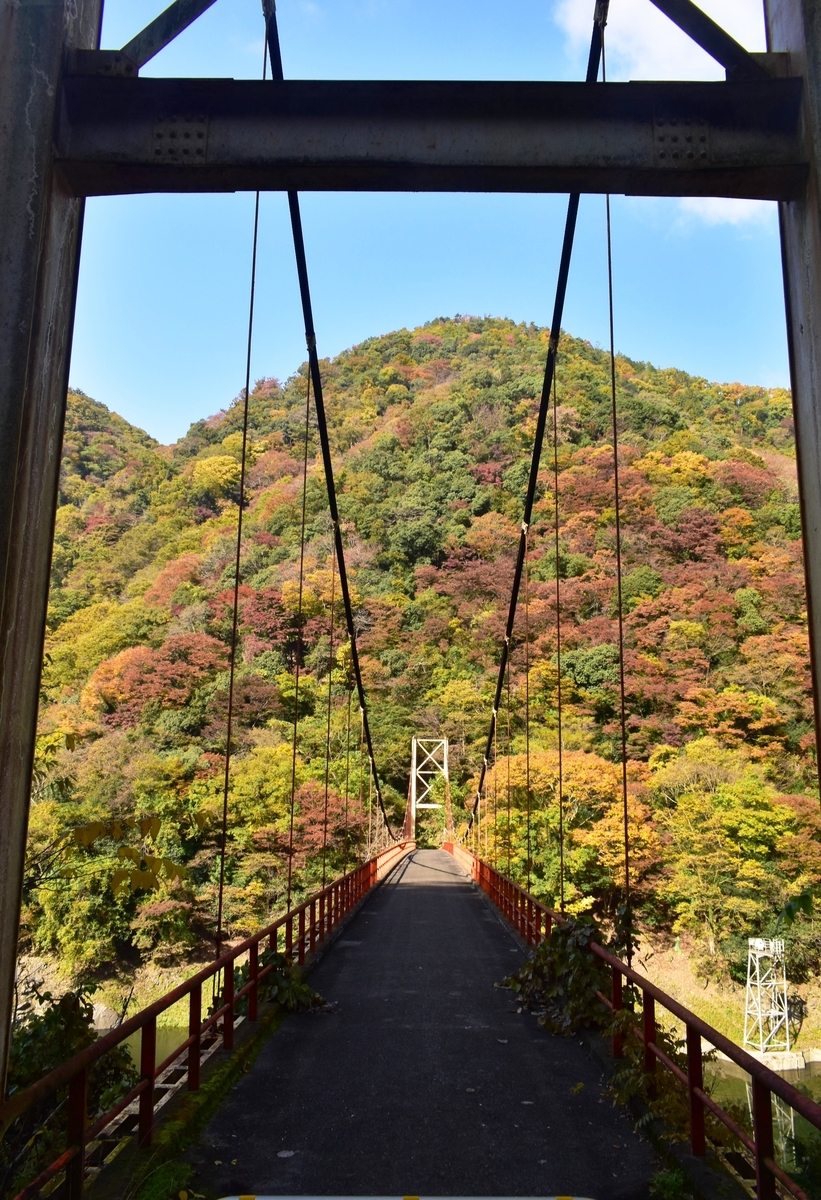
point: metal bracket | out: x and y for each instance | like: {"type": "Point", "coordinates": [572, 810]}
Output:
{"type": "Point", "coordinates": [681, 141]}
{"type": "Point", "coordinates": [102, 62]}
{"type": "Point", "coordinates": [776, 63]}
{"type": "Point", "coordinates": [181, 138]}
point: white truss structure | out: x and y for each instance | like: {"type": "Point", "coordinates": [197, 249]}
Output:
{"type": "Point", "coordinates": [766, 1019]}
{"type": "Point", "coordinates": [429, 762]}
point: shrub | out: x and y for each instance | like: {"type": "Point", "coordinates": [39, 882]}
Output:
{"type": "Point", "coordinates": [41, 1040]}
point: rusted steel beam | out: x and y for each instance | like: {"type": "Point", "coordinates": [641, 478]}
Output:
{"type": "Point", "coordinates": [794, 27]}
{"type": "Point", "coordinates": [163, 29]}
{"type": "Point", "coordinates": [120, 136]}
{"type": "Point", "coordinates": [39, 246]}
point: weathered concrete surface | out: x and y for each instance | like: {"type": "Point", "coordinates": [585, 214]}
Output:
{"type": "Point", "coordinates": [424, 1080]}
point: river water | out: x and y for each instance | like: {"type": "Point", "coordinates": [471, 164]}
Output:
{"type": "Point", "coordinates": [795, 1138]}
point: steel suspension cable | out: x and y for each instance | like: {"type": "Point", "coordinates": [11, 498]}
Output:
{"type": "Point", "coordinates": [274, 52]}
{"type": "Point", "coordinates": [328, 722]}
{"type": "Point", "coordinates": [237, 570]}
{"type": "Point", "coordinates": [527, 710]}
{"type": "Point", "coordinates": [619, 596]}
{"type": "Point", "coordinates": [361, 782]}
{"type": "Point", "coordinates": [347, 775]}
{"type": "Point", "coordinates": [558, 640]}
{"type": "Point", "coordinates": [298, 662]}
{"type": "Point", "coordinates": [592, 75]}
{"type": "Point", "coordinates": [495, 798]}
{"type": "Point", "coordinates": [509, 752]}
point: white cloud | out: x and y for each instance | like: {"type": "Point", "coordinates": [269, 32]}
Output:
{"type": "Point", "coordinates": [644, 44]}
{"type": "Point", "coordinates": [719, 210]}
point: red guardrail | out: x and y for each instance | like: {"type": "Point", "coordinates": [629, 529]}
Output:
{"type": "Point", "coordinates": [533, 921]}
{"type": "Point", "coordinates": [301, 932]}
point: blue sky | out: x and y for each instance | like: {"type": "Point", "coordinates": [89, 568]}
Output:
{"type": "Point", "coordinates": [162, 305]}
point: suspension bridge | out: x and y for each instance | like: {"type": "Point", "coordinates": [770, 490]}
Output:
{"type": "Point", "coordinates": [421, 1078]}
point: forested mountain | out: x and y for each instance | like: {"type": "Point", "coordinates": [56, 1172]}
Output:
{"type": "Point", "coordinates": [431, 432]}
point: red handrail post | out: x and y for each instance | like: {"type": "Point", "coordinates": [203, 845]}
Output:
{"type": "Point", "coordinates": [289, 935]}
{"type": "Point", "coordinates": [253, 972]}
{"type": "Point", "coordinates": [648, 1018]}
{"type": "Point", "coordinates": [548, 925]}
{"type": "Point", "coordinates": [77, 1104]}
{"type": "Point", "coordinates": [313, 931]}
{"type": "Point", "coordinates": [194, 1031]}
{"type": "Point", "coordinates": [228, 999]}
{"type": "Point", "coordinates": [618, 1047]}
{"type": "Point", "coordinates": [695, 1079]}
{"type": "Point", "coordinates": [301, 938]}
{"type": "Point", "coordinates": [148, 1063]}
{"type": "Point", "coordinates": [764, 1141]}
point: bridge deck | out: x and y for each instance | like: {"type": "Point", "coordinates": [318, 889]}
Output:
{"type": "Point", "coordinates": [424, 1080]}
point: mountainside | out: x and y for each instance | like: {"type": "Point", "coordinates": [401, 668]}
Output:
{"type": "Point", "coordinates": [431, 433]}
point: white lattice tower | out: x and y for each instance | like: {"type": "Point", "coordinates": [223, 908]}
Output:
{"type": "Point", "coordinates": [766, 1018]}
{"type": "Point", "coordinates": [429, 762]}
{"type": "Point", "coordinates": [783, 1128]}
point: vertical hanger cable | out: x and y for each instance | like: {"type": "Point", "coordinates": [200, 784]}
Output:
{"type": "Point", "coordinates": [237, 567]}
{"type": "Point", "coordinates": [298, 658]}
{"type": "Point", "coordinates": [328, 720]}
{"type": "Point", "coordinates": [558, 642]}
{"type": "Point", "coordinates": [619, 596]}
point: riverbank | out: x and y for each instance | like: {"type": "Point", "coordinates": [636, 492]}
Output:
{"type": "Point", "coordinates": [721, 1004]}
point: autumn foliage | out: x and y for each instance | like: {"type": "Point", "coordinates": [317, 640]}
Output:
{"type": "Point", "coordinates": [431, 433]}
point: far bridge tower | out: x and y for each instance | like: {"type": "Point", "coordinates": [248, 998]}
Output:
{"type": "Point", "coordinates": [429, 762]}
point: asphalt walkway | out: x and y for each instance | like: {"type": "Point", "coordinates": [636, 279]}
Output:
{"type": "Point", "coordinates": [423, 1080]}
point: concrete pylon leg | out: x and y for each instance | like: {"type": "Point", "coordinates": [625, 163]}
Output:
{"type": "Point", "coordinates": [794, 26]}
{"type": "Point", "coordinates": [40, 227]}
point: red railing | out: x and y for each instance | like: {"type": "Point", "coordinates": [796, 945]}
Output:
{"type": "Point", "coordinates": [533, 921]}
{"type": "Point", "coordinates": [299, 933]}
